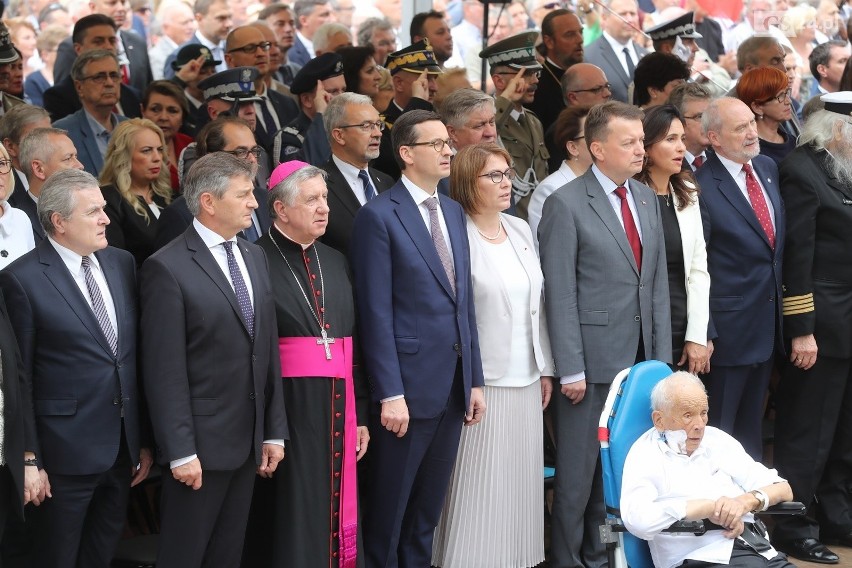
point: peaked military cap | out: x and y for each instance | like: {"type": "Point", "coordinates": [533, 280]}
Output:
{"type": "Point", "coordinates": [682, 27]}
{"type": "Point", "coordinates": [319, 68]}
{"type": "Point", "coordinates": [193, 51]}
{"type": "Point", "coordinates": [839, 102]}
{"type": "Point", "coordinates": [517, 51]}
{"type": "Point", "coordinates": [232, 85]}
{"type": "Point", "coordinates": [7, 49]}
{"type": "Point", "coordinates": [417, 57]}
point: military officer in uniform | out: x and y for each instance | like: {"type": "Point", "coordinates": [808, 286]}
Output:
{"type": "Point", "coordinates": [813, 432]}
{"type": "Point", "coordinates": [305, 139]}
{"type": "Point", "coordinates": [515, 72]}
{"type": "Point", "coordinates": [413, 71]}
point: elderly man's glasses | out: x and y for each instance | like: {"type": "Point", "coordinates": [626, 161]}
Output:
{"type": "Point", "coordinates": [595, 90]}
{"type": "Point", "coordinates": [5, 166]}
{"type": "Point", "coordinates": [497, 176]}
{"type": "Point", "coordinates": [242, 153]}
{"type": "Point", "coordinates": [437, 144]}
{"type": "Point", "coordinates": [781, 98]}
{"type": "Point", "coordinates": [366, 126]}
{"type": "Point", "coordinates": [101, 78]}
{"type": "Point", "coordinates": [252, 47]}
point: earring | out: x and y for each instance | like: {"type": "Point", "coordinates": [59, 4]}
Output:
{"type": "Point", "coordinates": [759, 117]}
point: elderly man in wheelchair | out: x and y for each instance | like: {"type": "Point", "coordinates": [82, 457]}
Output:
{"type": "Point", "coordinates": [683, 470]}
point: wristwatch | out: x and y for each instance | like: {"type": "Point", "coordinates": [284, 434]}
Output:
{"type": "Point", "coordinates": [763, 500]}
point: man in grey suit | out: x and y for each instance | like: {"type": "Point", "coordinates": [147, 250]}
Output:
{"type": "Point", "coordinates": [615, 51]}
{"type": "Point", "coordinates": [607, 297]}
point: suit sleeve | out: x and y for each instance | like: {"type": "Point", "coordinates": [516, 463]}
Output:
{"type": "Point", "coordinates": [698, 283]}
{"type": "Point", "coordinates": [275, 417]}
{"type": "Point", "coordinates": [477, 376]}
{"type": "Point", "coordinates": [802, 205]}
{"type": "Point", "coordinates": [706, 227]}
{"type": "Point", "coordinates": [558, 245]}
{"type": "Point", "coordinates": [163, 353]}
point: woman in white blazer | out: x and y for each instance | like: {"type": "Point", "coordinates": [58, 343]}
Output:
{"type": "Point", "coordinates": [492, 514]}
{"type": "Point", "coordinates": [686, 254]}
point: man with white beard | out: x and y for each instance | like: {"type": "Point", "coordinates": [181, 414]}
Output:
{"type": "Point", "coordinates": [812, 441]}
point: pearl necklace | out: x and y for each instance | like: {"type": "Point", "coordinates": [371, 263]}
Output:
{"type": "Point", "coordinates": [496, 235]}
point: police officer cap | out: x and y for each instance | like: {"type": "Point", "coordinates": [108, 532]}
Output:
{"type": "Point", "coordinates": [193, 51]}
{"type": "Point", "coordinates": [517, 51]}
{"type": "Point", "coordinates": [681, 27]}
{"type": "Point", "coordinates": [417, 57]}
{"type": "Point", "coordinates": [319, 68]}
{"type": "Point", "coordinates": [235, 84]}
{"type": "Point", "coordinates": [839, 102]}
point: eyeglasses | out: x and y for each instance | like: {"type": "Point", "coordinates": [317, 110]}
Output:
{"type": "Point", "coordinates": [497, 176]}
{"type": "Point", "coordinates": [529, 73]}
{"type": "Point", "coordinates": [242, 153]}
{"type": "Point", "coordinates": [696, 117]}
{"type": "Point", "coordinates": [595, 90]}
{"type": "Point", "coordinates": [782, 98]}
{"type": "Point", "coordinates": [366, 126]}
{"type": "Point", "coordinates": [5, 166]}
{"type": "Point", "coordinates": [101, 78]}
{"type": "Point", "coordinates": [252, 47]}
{"type": "Point", "coordinates": [437, 144]}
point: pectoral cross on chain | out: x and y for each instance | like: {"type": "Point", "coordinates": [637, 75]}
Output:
{"type": "Point", "coordinates": [325, 341]}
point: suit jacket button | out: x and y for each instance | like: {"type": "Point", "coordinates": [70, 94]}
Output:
{"type": "Point", "coordinates": [253, 358]}
{"type": "Point", "coordinates": [115, 402]}
{"type": "Point", "coordinates": [534, 312]}
{"type": "Point", "coordinates": [636, 318]}
{"type": "Point", "coordinates": [251, 396]}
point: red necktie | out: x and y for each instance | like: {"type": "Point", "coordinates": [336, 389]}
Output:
{"type": "Point", "coordinates": [758, 203]}
{"type": "Point", "coordinates": [697, 162]}
{"type": "Point", "coordinates": [630, 226]}
{"type": "Point", "coordinates": [125, 74]}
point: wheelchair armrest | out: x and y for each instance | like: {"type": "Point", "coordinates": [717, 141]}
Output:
{"type": "Point", "coordinates": [785, 508]}
{"type": "Point", "coordinates": [697, 528]}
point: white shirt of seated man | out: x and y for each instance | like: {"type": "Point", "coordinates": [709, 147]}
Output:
{"type": "Point", "coordinates": [682, 469]}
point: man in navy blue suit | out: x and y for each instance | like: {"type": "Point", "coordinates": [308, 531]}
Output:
{"type": "Point", "coordinates": [411, 266]}
{"type": "Point", "coordinates": [744, 229]}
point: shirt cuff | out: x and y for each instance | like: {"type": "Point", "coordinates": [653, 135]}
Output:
{"type": "Point", "coordinates": [575, 378]}
{"type": "Point", "coordinates": [390, 398]}
{"type": "Point", "coordinates": [276, 441]}
{"type": "Point", "coordinates": [182, 461]}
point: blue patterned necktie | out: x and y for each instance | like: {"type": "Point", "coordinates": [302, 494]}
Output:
{"type": "Point", "coordinates": [98, 305]}
{"type": "Point", "coordinates": [240, 288]}
{"type": "Point", "coordinates": [369, 190]}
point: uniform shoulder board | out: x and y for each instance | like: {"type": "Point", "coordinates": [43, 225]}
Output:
{"type": "Point", "coordinates": [293, 132]}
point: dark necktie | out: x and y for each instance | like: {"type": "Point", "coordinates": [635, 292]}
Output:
{"type": "Point", "coordinates": [630, 226]}
{"type": "Point", "coordinates": [439, 241]}
{"type": "Point", "coordinates": [758, 203]}
{"type": "Point", "coordinates": [630, 66]}
{"type": "Point", "coordinates": [240, 288]}
{"type": "Point", "coordinates": [98, 305]}
{"type": "Point", "coordinates": [697, 162]}
{"type": "Point", "coordinates": [369, 191]}
{"type": "Point", "coordinates": [268, 120]}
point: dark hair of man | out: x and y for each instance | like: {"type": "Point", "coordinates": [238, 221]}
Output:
{"type": "Point", "coordinates": [748, 50]}
{"type": "Point", "coordinates": [569, 125]}
{"type": "Point", "coordinates": [211, 138]}
{"type": "Point", "coordinates": [83, 24]}
{"type": "Point", "coordinates": [404, 132]}
{"type": "Point", "coordinates": [271, 10]}
{"type": "Point", "coordinates": [656, 70]}
{"type": "Point", "coordinates": [656, 124]}
{"type": "Point", "coordinates": [599, 117]}
{"type": "Point", "coordinates": [547, 22]}
{"type": "Point", "coordinates": [821, 55]}
{"type": "Point", "coordinates": [203, 6]}
{"type": "Point", "coordinates": [419, 20]}
{"type": "Point", "coordinates": [354, 59]}
{"type": "Point", "coordinates": [686, 93]}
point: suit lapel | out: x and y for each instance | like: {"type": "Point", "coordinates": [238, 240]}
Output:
{"type": "Point", "coordinates": [732, 193]}
{"type": "Point", "coordinates": [614, 60]}
{"type": "Point", "coordinates": [89, 141]}
{"type": "Point", "coordinates": [602, 206]}
{"type": "Point", "coordinates": [338, 186]}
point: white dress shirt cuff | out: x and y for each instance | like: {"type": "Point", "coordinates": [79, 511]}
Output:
{"type": "Point", "coordinates": [182, 461]}
{"type": "Point", "coordinates": [276, 441]}
{"type": "Point", "coordinates": [390, 398]}
{"type": "Point", "coordinates": [575, 378]}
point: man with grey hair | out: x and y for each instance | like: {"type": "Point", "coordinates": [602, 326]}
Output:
{"type": "Point", "coordinates": [310, 15]}
{"type": "Point", "coordinates": [469, 115]}
{"type": "Point", "coordinates": [354, 130]}
{"type": "Point", "coordinates": [810, 447]}
{"type": "Point", "coordinates": [211, 368]}
{"type": "Point", "coordinates": [97, 79]}
{"type": "Point", "coordinates": [379, 33]}
{"type": "Point", "coordinates": [316, 518]}
{"type": "Point", "coordinates": [14, 125]}
{"type": "Point", "coordinates": [691, 100]}
{"type": "Point", "coordinates": [81, 366]}
{"type": "Point", "coordinates": [177, 24]}
{"type": "Point", "coordinates": [43, 152]}
{"type": "Point", "coordinates": [683, 470]}
{"type": "Point", "coordinates": [744, 226]}
{"type": "Point", "coordinates": [331, 36]}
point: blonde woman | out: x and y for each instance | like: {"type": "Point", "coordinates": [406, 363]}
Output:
{"type": "Point", "coordinates": [136, 187]}
{"type": "Point", "coordinates": [384, 96]}
{"type": "Point", "coordinates": [16, 232]}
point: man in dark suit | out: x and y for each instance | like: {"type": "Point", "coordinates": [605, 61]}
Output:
{"type": "Point", "coordinates": [95, 31]}
{"type": "Point", "coordinates": [211, 368]}
{"type": "Point", "coordinates": [17, 123]}
{"type": "Point", "coordinates": [310, 15]}
{"type": "Point", "coordinates": [615, 51]}
{"type": "Point", "coordinates": [355, 130]}
{"type": "Point", "coordinates": [744, 230]}
{"type": "Point", "coordinates": [562, 37]}
{"type": "Point", "coordinates": [604, 260]}
{"type": "Point", "coordinates": [422, 358]}
{"type": "Point", "coordinates": [72, 303]}
{"type": "Point", "coordinates": [132, 50]}
{"type": "Point", "coordinates": [214, 23]}
{"type": "Point", "coordinates": [43, 152]}
{"type": "Point", "coordinates": [97, 80]}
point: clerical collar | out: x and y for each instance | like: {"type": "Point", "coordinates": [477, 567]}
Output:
{"type": "Point", "coordinates": [290, 241]}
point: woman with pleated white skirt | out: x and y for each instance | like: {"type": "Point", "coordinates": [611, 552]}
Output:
{"type": "Point", "coordinates": [492, 516]}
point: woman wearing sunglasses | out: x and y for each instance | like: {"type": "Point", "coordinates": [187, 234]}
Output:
{"type": "Point", "coordinates": [766, 91]}
{"type": "Point", "coordinates": [492, 513]}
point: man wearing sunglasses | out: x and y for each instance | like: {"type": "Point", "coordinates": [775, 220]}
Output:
{"type": "Point", "coordinates": [515, 73]}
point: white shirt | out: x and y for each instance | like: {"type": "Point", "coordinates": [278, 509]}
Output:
{"type": "Point", "coordinates": [618, 48]}
{"type": "Point", "coordinates": [657, 482]}
{"type": "Point", "coordinates": [158, 54]}
{"type": "Point", "coordinates": [269, 107]}
{"type": "Point", "coordinates": [16, 234]}
{"type": "Point", "coordinates": [466, 36]}
{"type": "Point", "coordinates": [547, 186]}
{"type": "Point", "coordinates": [217, 49]}
{"type": "Point", "coordinates": [350, 174]}
{"type": "Point", "coordinates": [74, 263]}
{"type": "Point", "coordinates": [309, 44]}
{"type": "Point", "coordinates": [736, 171]}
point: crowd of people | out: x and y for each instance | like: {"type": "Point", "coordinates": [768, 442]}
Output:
{"type": "Point", "coordinates": [321, 277]}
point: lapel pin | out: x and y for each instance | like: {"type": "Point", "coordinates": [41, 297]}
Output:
{"type": "Point", "coordinates": [643, 203]}
{"type": "Point", "coordinates": [768, 180]}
